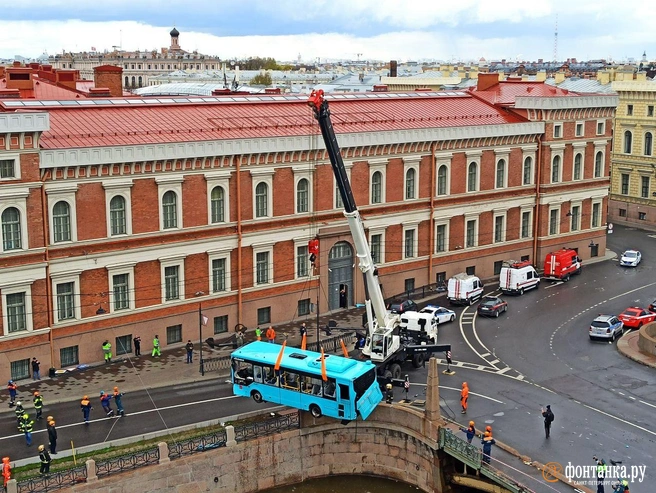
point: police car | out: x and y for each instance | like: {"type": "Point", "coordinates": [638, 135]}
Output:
{"type": "Point", "coordinates": [607, 327]}
{"type": "Point", "coordinates": [630, 258]}
{"type": "Point", "coordinates": [440, 314]}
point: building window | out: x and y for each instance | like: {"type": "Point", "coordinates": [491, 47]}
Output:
{"type": "Point", "coordinates": [642, 216]}
{"type": "Point", "coordinates": [264, 315]}
{"type": "Point", "coordinates": [644, 188]}
{"type": "Point", "coordinates": [470, 233]}
{"type": "Point", "coordinates": [11, 229]}
{"type": "Point", "coordinates": [470, 270]}
{"type": "Point", "coordinates": [339, 203]}
{"type": "Point", "coordinates": [628, 142]}
{"type": "Point", "coordinates": [649, 141]}
{"type": "Point", "coordinates": [172, 282]}
{"type": "Point", "coordinates": [7, 168]}
{"type": "Point", "coordinates": [472, 177]}
{"type": "Point", "coordinates": [625, 184]}
{"type": "Point", "coordinates": [302, 261]}
{"type": "Point", "coordinates": [304, 307]}
{"type": "Point", "coordinates": [117, 217]}
{"type": "Point", "coordinates": [440, 238]}
{"type": "Point", "coordinates": [123, 344]}
{"type": "Point", "coordinates": [579, 129]}
{"type": "Point", "coordinates": [16, 313]}
{"type": "Point", "coordinates": [174, 334]}
{"type": "Point", "coordinates": [220, 324]}
{"type": "Point", "coordinates": [599, 164]}
{"type": "Point", "coordinates": [218, 205]}
{"type": "Point", "coordinates": [302, 195]}
{"type": "Point", "coordinates": [555, 169]}
{"type": "Point", "coordinates": [409, 285]}
{"type": "Point", "coordinates": [65, 301]}
{"type": "Point", "coordinates": [376, 242]}
{"type": "Point", "coordinates": [526, 224]}
{"type": "Point", "coordinates": [557, 130]}
{"type": "Point", "coordinates": [121, 284]}
{"type": "Point", "coordinates": [601, 128]}
{"type": "Point", "coordinates": [629, 110]}
{"type": "Point", "coordinates": [497, 267]}
{"type": "Point", "coordinates": [262, 268]}
{"type": "Point", "coordinates": [650, 110]}
{"type": "Point", "coordinates": [577, 167]}
{"type": "Point", "coordinates": [499, 229]}
{"type": "Point", "coordinates": [622, 212]}
{"type": "Point", "coordinates": [410, 177]}
{"type": "Point", "coordinates": [442, 176]}
{"type": "Point", "coordinates": [576, 218]}
{"type": "Point", "coordinates": [409, 243]}
{"type": "Point", "coordinates": [553, 221]}
{"type": "Point", "coordinates": [69, 356]}
{"type": "Point", "coordinates": [528, 171]}
{"type": "Point", "coordinates": [440, 278]}
{"type": "Point", "coordinates": [261, 200]}
{"type": "Point", "coordinates": [20, 369]}
{"type": "Point", "coordinates": [219, 274]}
{"type": "Point", "coordinates": [170, 210]}
{"type": "Point", "coordinates": [596, 214]}
{"type": "Point", "coordinates": [376, 187]}
{"type": "Point", "coordinates": [501, 173]}
{"type": "Point", "coordinates": [61, 221]}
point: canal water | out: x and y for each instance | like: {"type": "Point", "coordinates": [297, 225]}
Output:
{"type": "Point", "coordinates": [353, 484]}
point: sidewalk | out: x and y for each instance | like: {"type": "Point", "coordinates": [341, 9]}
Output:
{"type": "Point", "coordinates": [627, 345]}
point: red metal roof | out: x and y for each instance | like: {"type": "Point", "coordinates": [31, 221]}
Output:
{"type": "Point", "coordinates": [44, 90]}
{"type": "Point", "coordinates": [505, 92]}
{"type": "Point", "coordinates": [263, 117]}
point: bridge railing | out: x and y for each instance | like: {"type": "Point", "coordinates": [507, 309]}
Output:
{"type": "Point", "coordinates": [460, 449]}
{"type": "Point", "coordinates": [65, 478]}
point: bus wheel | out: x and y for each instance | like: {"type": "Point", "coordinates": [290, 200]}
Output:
{"type": "Point", "coordinates": [396, 370]}
{"type": "Point", "coordinates": [418, 360]}
{"type": "Point", "coordinates": [315, 411]}
{"type": "Point", "coordinates": [257, 397]}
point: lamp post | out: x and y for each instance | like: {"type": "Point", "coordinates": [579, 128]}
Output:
{"type": "Point", "coordinates": [200, 332]}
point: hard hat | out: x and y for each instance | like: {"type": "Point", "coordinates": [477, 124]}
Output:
{"type": "Point", "coordinates": [36, 393]}
{"type": "Point", "coordinates": [488, 434]}
{"type": "Point", "coordinates": [19, 403]}
{"type": "Point", "coordinates": [5, 459]}
{"type": "Point", "coordinates": [41, 447]}
{"type": "Point", "coordinates": [102, 392]}
{"type": "Point", "coordinates": [389, 386]}
{"type": "Point", "coordinates": [115, 389]}
{"type": "Point", "coordinates": [10, 382]}
{"type": "Point", "coordinates": [85, 397]}
{"type": "Point", "coordinates": [471, 423]}
{"type": "Point", "coordinates": [49, 418]}
{"type": "Point", "coordinates": [51, 422]}
{"type": "Point", "coordinates": [488, 428]}
{"type": "Point", "coordinates": [464, 384]}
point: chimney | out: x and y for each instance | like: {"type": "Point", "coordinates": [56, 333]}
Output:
{"type": "Point", "coordinates": [66, 78]}
{"type": "Point", "coordinates": [9, 94]}
{"type": "Point", "coordinates": [485, 81]}
{"type": "Point", "coordinates": [641, 76]}
{"type": "Point", "coordinates": [16, 63]}
{"type": "Point", "coordinates": [19, 78]}
{"type": "Point", "coordinates": [541, 76]}
{"type": "Point", "coordinates": [394, 67]}
{"type": "Point", "coordinates": [99, 92]}
{"type": "Point", "coordinates": [603, 77]}
{"type": "Point", "coordinates": [109, 76]}
{"type": "Point", "coordinates": [559, 77]}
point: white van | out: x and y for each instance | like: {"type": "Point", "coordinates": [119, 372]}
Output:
{"type": "Point", "coordinates": [464, 289]}
{"type": "Point", "coordinates": [517, 277]}
{"type": "Point", "coordinates": [420, 326]}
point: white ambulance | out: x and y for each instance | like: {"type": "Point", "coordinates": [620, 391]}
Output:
{"type": "Point", "coordinates": [421, 327]}
{"type": "Point", "coordinates": [517, 277]}
{"type": "Point", "coordinates": [464, 289]}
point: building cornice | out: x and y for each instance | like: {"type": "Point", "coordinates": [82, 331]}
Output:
{"type": "Point", "coordinates": [24, 122]}
{"type": "Point", "coordinates": [566, 102]}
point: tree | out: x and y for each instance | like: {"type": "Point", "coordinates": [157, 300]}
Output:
{"type": "Point", "coordinates": [261, 80]}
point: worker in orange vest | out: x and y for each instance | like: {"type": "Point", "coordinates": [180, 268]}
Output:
{"type": "Point", "coordinates": [464, 396]}
{"type": "Point", "coordinates": [6, 471]}
{"type": "Point", "coordinates": [271, 334]}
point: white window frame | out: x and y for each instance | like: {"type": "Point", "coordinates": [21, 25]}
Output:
{"type": "Point", "coordinates": [599, 147]}
{"type": "Point", "coordinates": [603, 127]}
{"type": "Point", "coordinates": [174, 184]}
{"type": "Point", "coordinates": [117, 270]}
{"type": "Point", "coordinates": [165, 262]}
{"type": "Point", "coordinates": [112, 189]}
{"type": "Point", "coordinates": [578, 150]}
{"type": "Point", "coordinates": [215, 179]}
{"type": "Point", "coordinates": [580, 215]}
{"type": "Point", "coordinates": [554, 208]}
{"type": "Point", "coordinates": [66, 192]}
{"type": "Point", "coordinates": [15, 197]}
{"type": "Point", "coordinates": [447, 191]}
{"type": "Point", "coordinates": [523, 210]}
{"type": "Point", "coordinates": [558, 126]}
{"type": "Point", "coordinates": [17, 169]}
{"type": "Point", "coordinates": [557, 151]}
{"type": "Point", "coordinates": [263, 175]}
{"type": "Point", "coordinates": [601, 203]}
{"type": "Point", "coordinates": [576, 127]}
{"type": "Point", "coordinates": [446, 223]}
{"type": "Point", "coordinates": [473, 157]}
{"type": "Point", "coordinates": [526, 153]}
{"type": "Point", "coordinates": [380, 165]}
{"type": "Point", "coordinates": [499, 154]}
{"type": "Point", "coordinates": [407, 166]}
{"type": "Point", "coordinates": [301, 173]}
{"type": "Point", "coordinates": [262, 249]}
{"type": "Point", "coordinates": [298, 243]}
{"type": "Point", "coordinates": [14, 288]}
{"type": "Point", "coordinates": [495, 215]}
{"type": "Point", "coordinates": [381, 232]}
{"type": "Point", "coordinates": [347, 166]}
{"type": "Point", "coordinates": [218, 255]}
{"type": "Point", "coordinates": [624, 147]}
{"type": "Point", "coordinates": [414, 227]}
{"type": "Point", "coordinates": [476, 219]}
{"type": "Point", "coordinates": [63, 278]}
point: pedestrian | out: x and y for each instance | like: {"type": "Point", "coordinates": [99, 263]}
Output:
{"type": "Point", "coordinates": [548, 416]}
{"type": "Point", "coordinates": [45, 459]}
{"type": "Point", "coordinates": [156, 351]}
{"type": "Point", "coordinates": [13, 390]}
{"type": "Point", "coordinates": [258, 333]}
{"type": "Point", "coordinates": [52, 435]}
{"type": "Point", "coordinates": [20, 410]}
{"type": "Point", "coordinates": [119, 404]}
{"type": "Point", "coordinates": [303, 331]}
{"type": "Point", "coordinates": [36, 365]}
{"type": "Point", "coordinates": [38, 405]}
{"type": "Point", "coordinates": [26, 427]}
{"type": "Point", "coordinates": [601, 474]}
{"type": "Point", "coordinates": [190, 350]}
{"type": "Point", "coordinates": [470, 431]}
{"type": "Point", "coordinates": [488, 428]}
{"type": "Point", "coordinates": [105, 401]}
{"type": "Point", "coordinates": [464, 397]}
{"type": "Point", "coordinates": [487, 443]}
{"type": "Point", "coordinates": [85, 405]}
{"type": "Point", "coordinates": [271, 334]}
{"type": "Point", "coordinates": [107, 351]}
{"type": "Point", "coordinates": [137, 345]}
{"type": "Point", "coordinates": [6, 471]}
{"type": "Point", "coordinates": [389, 393]}
{"type": "Point", "coordinates": [239, 338]}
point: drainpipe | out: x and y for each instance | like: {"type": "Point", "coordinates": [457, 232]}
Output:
{"type": "Point", "coordinates": [538, 178]}
{"type": "Point", "coordinates": [239, 240]}
{"type": "Point", "coordinates": [431, 232]}
{"type": "Point", "coordinates": [46, 259]}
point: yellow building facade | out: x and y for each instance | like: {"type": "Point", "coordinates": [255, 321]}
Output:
{"type": "Point", "coordinates": [633, 160]}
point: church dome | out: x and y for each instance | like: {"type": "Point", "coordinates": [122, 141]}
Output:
{"type": "Point", "coordinates": [174, 33]}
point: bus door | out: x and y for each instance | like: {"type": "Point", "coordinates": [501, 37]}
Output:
{"type": "Point", "coordinates": [290, 388]}
{"type": "Point", "coordinates": [267, 382]}
{"type": "Point", "coordinates": [344, 405]}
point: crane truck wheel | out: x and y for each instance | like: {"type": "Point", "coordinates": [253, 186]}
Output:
{"type": "Point", "coordinates": [387, 375]}
{"type": "Point", "coordinates": [418, 360]}
{"type": "Point", "coordinates": [395, 368]}
{"type": "Point", "coordinates": [315, 411]}
{"type": "Point", "coordinates": [257, 397]}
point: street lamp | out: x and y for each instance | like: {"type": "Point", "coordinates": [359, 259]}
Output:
{"type": "Point", "coordinates": [200, 332]}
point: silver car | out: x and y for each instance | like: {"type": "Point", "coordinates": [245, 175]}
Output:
{"type": "Point", "coordinates": [607, 327]}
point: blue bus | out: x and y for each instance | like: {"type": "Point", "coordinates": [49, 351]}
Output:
{"type": "Point", "coordinates": [349, 390]}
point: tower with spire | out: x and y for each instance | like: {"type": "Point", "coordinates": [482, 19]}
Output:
{"type": "Point", "coordinates": [174, 40]}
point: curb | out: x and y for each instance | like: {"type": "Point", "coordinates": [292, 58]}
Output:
{"type": "Point", "coordinates": [625, 350]}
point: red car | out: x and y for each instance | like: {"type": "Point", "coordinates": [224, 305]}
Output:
{"type": "Point", "coordinates": [635, 317]}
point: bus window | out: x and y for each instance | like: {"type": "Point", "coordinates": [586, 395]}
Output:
{"type": "Point", "coordinates": [291, 380]}
{"type": "Point", "coordinates": [329, 388]}
{"type": "Point", "coordinates": [306, 384]}
{"type": "Point", "coordinates": [343, 392]}
{"type": "Point", "coordinates": [270, 376]}
{"type": "Point", "coordinates": [243, 372]}
{"type": "Point", "coordinates": [257, 374]}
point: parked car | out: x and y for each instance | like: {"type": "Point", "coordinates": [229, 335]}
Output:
{"type": "Point", "coordinates": [635, 317]}
{"type": "Point", "coordinates": [403, 306]}
{"type": "Point", "coordinates": [606, 327]}
{"type": "Point", "coordinates": [440, 314]}
{"type": "Point", "coordinates": [630, 258]}
{"type": "Point", "coordinates": [492, 306]}
{"type": "Point", "coordinates": [652, 306]}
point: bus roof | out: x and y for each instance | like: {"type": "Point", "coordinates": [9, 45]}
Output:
{"type": "Point", "coordinates": [296, 359]}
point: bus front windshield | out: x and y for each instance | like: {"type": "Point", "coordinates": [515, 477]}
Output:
{"type": "Point", "coordinates": [363, 383]}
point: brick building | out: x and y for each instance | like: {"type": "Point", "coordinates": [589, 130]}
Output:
{"type": "Point", "coordinates": [128, 217]}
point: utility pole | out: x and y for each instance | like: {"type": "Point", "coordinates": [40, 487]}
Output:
{"type": "Point", "coordinates": [200, 337]}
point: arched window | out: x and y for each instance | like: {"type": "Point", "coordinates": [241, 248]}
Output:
{"type": "Point", "coordinates": [127, 81]}
{"type": "Point", "coordinates": [170, 210]}
{"type": "Point", "coordinates": [139, 81]}
{"type": "Point", "coordinates": [472, 177]}
{"type": "Point", "coordinates": [628, 142]}
{"type": "Point", "coordinates": [303, 195]}
{"type": "Point", "coordinates": [442, 172]}
{"type": "Point", "coordinates": [117, 218]}
{"type": "Point", "coordinates": [377, 187]}
{"type": "Point", "coordinates": [261, 200]}
{"type": "Point", "coordinates": [11, 230]}
{"type": "Point", "coordinates": [410, 183]}
{"type": "Point", "coordinates": [134, 82]}
{"type": "Point", "coordinates": [649, 140]}
{"type": "Point", "coordinates": [555, 169]}
{"type": "Point", "coordinates": [61, 221]}
{"type": "Point", "coordinates": [528, 171]}
{"type": "Point", "coordinates": [217, 198]}
{"type": "Point", "coordinates": [599, 164]}
{"type": "Point", "coordinates": [501, 173]}
{"type": "Point", "coordinates": [577, 167]}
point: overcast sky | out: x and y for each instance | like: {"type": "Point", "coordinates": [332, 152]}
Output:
{"type": "Point", "coordinates": [337, 29]}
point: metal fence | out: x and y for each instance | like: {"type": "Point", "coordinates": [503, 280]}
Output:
{"type": "Point", "coordinates": [457, 447]}
{"type": "Point", "coordinates": [127, 462]}
{"type": "Point", "coordinates": [419, 293]}
{"type": "Point", "coordinates": [277, 424]}
{"type": "Point", "coordinates": [197, 444]}
{"type": "Point", "coordinates": [332, 344]}
{"type": "Point", "coordinates": [217, 363]}
{"type": "Point", "coordinates": [53, 481]}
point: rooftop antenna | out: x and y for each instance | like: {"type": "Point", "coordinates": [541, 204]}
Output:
{"type": "Point", "coordinates": [555, 56]}
{"type": "Point", "coordinates": [120, 39]}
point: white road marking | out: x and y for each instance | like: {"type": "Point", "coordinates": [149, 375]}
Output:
{"type": "Point", "coordinates": [507, 368]}
{"type": "Point", "coordinates": [554, 285]}
{"type": "Point", "coordinates": [647, 404]}
{"type": "Point", "coordinates": [464, 337]}
{"type": "Point", "coordinates": [620, 419]}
